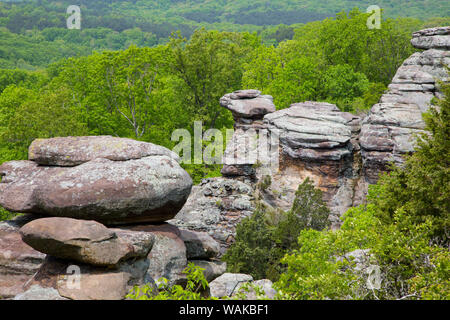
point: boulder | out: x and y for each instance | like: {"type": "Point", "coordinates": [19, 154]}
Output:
{"type": "Point", "coordinates": [85, 241]}
{"type": "Point", "coordinates": [151, 189]}
{"type": "Point", "coordinates": [212, 269]}
{"type": "Point", "coordinates": [85, 282]}
{"type": "Point", "coordinates": [18, 261]}
{"type": "Point", "coordinates": [226, 284]}
{"type": "Point", "coordinates": [73, 151]}
{"type": "Point", "coordinates": [199, 245]}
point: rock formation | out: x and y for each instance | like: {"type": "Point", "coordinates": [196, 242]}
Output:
{"type": "Point", "coordinates": [71, 186]}
{"type": "Point", "coordinates": [104, 214]}
{"type": "Point", "coordinates": [146, 185]}
{"type": "Point", "coordinates": [388, 132]}
{"type": "Point", "coordinates": [215, 207]}
{"type": "Point", "coordinates": [340, 152]}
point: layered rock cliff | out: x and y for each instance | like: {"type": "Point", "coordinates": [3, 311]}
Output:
{"type": "Point", "coordinates": [340, 152]}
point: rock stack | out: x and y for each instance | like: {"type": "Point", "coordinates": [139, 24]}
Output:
{"type": "Point", "coordinates": [309, 139]}
{"type": "Point", "coordinates": [387, 133]}
{"type": "Point", "coordinates": [95, 224]}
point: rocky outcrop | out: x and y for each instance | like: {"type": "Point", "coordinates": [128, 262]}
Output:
{"type": "Point", "coordinates": [80, 183]}
{"type": "Point", "coordinates": [85, 241]}
{"type": "Point", "coordinates": [149, 189]}
{"type": "Point", "coordinates": [215, 207]}
{"type": "Point", "coordinates": [309, 139]}
{"type": "Point", "coordinates": [340, 152]}
{"type": "Point", "coordinates": [388, 132]}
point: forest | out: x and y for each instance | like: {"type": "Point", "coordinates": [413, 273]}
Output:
{"type": "Point", "coordinates": [142, 69]}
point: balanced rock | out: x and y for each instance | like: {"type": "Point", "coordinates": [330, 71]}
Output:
{"type": "Point", "coordinates": [85, 241]}
{"type": "Point", "coordinates": [149, 189]}
{"type": "Point", "coordinates": [248, 104]}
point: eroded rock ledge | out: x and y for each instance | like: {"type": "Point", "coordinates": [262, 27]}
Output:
{"type": "Point", "coordinates": [340, 152]}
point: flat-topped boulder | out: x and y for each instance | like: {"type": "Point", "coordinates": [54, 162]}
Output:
{"type": "Point", "coordinates": [73, 151]}
{"type": "Point", "coordinates": [85, 241]}
{"type": "Point", "coordinates": [248, 104]}
{"type": "Point", "coordinates": [149, 189]}
{"type": "Point", "coordinates": [389, 131]}
{"type": "Point", "coordinates": [18, 261]}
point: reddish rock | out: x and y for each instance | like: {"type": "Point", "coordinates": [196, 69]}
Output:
{"type": "Point", "coordinates": [73, 151]}
{"type": "Point", "coordinates": [85, 241]}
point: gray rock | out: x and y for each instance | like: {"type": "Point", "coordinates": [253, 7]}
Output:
{"type": "Point", "coordinates": [216, 206]}
{"type": "Point", "coordinates": [73, 151]}
{"type": "Point", "coordinates": [167, 258]}
{"type": "Point", "coordinates": [36, 292]}
{"type": "Point", "coordinates": [199, 245]}
{"type": "Point", "coordinates": [85, 241]}
{"type": "Point", "coordinates": [265, 286]}
{"type": "Point", "coordinates": [226, 284]}
{"type": "Point", "coordinates": [248, 104]}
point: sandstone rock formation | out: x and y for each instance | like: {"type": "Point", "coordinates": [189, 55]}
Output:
{"type": "Point", "coordinates": [215, 207]}
{"type": "Point", "coordinates": [340, 152]}
{"type": "Point", "coordinates": [80, 183]}
{"type": "Point", "coordinates": [148, 189]}
{"type": "Point", "coordinates": [308, 139]}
